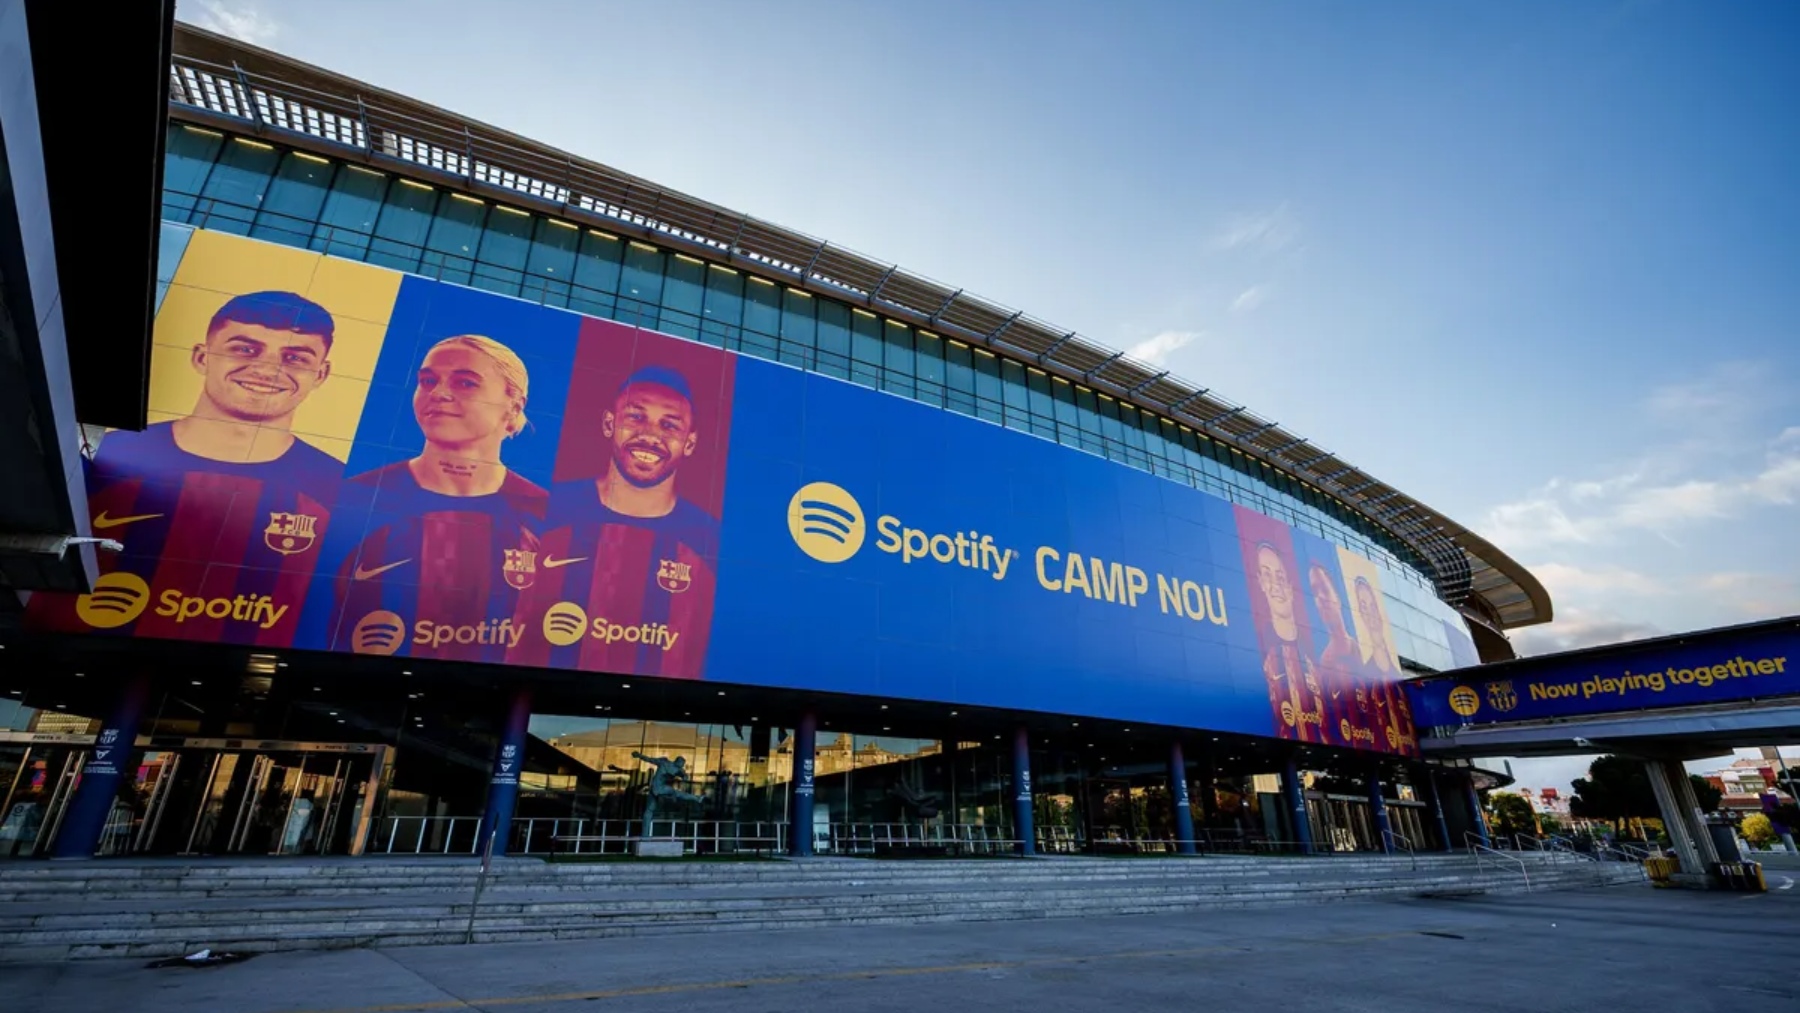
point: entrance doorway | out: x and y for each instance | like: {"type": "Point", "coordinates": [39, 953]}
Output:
{"type": "Point", "coordinates": [194, 796]}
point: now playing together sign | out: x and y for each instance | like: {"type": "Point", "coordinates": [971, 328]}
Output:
{"type": "Point", "coordinates": [1753, 667]}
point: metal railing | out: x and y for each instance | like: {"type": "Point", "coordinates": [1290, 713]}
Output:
{"type": "Point", "coordinates": [559, 836]}
{"type": "Point", "coordinates": [425, 835]}
{"type": "Point", "coordinates": [1483, 853]}
{"type": "Point", "coordinates": [1394, 839]}
{"type": "Point", "coordinates": [211, 75]}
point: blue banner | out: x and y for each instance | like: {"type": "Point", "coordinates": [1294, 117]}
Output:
{"type": "Point", "coordinates": [344, 459]}
{"type": "Point", "coordinates": [1765, 665]}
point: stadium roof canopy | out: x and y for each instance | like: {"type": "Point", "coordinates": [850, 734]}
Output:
{"type": "Point", "coordinates": [227, 84]}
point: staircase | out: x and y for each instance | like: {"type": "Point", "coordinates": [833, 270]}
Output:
{"type": "Point", "coordinates": [167, 908]}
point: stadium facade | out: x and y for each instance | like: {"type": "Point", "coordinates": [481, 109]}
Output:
{"type": "Point", "coordinates": [487, 495]}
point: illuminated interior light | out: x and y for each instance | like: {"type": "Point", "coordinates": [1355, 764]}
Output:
{"type": "Point", "coordinates": [862, 312]}
{"type": "Point", "coordinates": [303, 156]}
{"type": "Point", "coordinates": [416, 185]}
{"type": "Point", "coordinates": [762, 281]}
{"type": "Point", "coordinates": [691, 260]}
{"type": "Point", "coordinates": [801, 294]}
{"type": "Point", "coordinates": [201, 130]}
{"type": "Point", "coordinates": [604, 235]}
{"type": "Point", "coordinates": [469, 199]}
{"type": "Point", "coordinates": [260, 146]}
{"type": "Point", "coordinates": [559, 223]}
{"type": "Point", "coordinates": [512, 211]}
{"type": "Point", "coordinates": [645, 246]}
{"type": "Point", "coordinates": [722, 267]}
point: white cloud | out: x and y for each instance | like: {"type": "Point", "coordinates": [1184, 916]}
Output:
{"type": "Point", "coordinates": [1250, 298]}
{"type": "Point", "coordinates": [244, 20]}
{"type": "Point", "coordinates": [1264, 232]}
{"type": "Point", "coordinates": [1599, 510]}
{"type": "Point", "coordinates": [1155, 350]}
{"type": "Point", "coordinates": [1575, 628]}
{"type": "Point", "coordinates": [1752, 595]}
{"type": "Point", "coordinates": [1565, 580]}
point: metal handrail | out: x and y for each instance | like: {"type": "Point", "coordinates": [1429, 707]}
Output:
{"type": "Point", "coordinates": [1395, 838]}
{"type": "Point", "coordinates": [1478, 850]}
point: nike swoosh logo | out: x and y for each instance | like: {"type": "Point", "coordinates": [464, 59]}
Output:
{"type": "Point", "coordinates": [103, 522]}
{"type": "Point", "coordinates": [362, 574]}
{"type": "Point", "coordinates": [551, 562]}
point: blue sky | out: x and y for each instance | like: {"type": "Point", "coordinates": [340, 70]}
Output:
{"type": "Point", "coordinates": [1535, 263]}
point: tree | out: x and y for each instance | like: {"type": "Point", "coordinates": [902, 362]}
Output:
{"type": "Point", "coordinates": [1551, 826]}
{"type": "Point", "coordinates": [1510, 814]}
{"type": "Point", "coordinates": [1758, 830]}
{"type": "Point", "coordinates": [1706, 793]}
{"type": "Point", "coordinates": [1617, 788]}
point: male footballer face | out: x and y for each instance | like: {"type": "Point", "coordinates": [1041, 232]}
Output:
{"type": "Point", "coordinates": [652, 429]}
{"type": "Point", "coordinates": [259, 374]}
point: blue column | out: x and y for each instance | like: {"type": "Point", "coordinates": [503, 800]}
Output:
{"type": "Point", "coordinates": [85, 819]}
{"type": "Point", "coordinates": [1437, 809]}
{"type": "Point", "coordinates": [1295, 798]}
{"type": "Point", "coordinates": [1378, 809]}
{"type": "Point", "coordinates": [503, 786]}
{"type": "Point", "coordinates": [1477, 818]}
{"type": "Point", "coordinates": [800, 815]}
{"type": "Point", "coordinates": [1178, 797]}
{"type": "Point", "coordinates": [1023, 824]}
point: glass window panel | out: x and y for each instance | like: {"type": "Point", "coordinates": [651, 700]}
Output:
{"type": "Point", "coordinates": [455, 232]}
{"type": "Point", "coordinates": [930, 363]}
{"type": "Point", "coordinates": [959, 378]}
{"type": "Point", "coordinates": [505, 247]}
{"type": "Point", "coordinates": [722, 318]}
{"type": "Point", "coordinates": [834, 339]}
{"type": "Point", "coordinates": [188, 155]}
{"type": "Point", "coordinates": [348, 218]}
{"type": "Point", "coordinates": [897, 357]}
{"type": "Point", "coordinates": [865, 338]}
{"type": "Point", "coordinates": [684, 288]}
{"type": "Point", "coordinates": [989, 389]}
{"type": "Point", "coordinates": [550, 263]}
{"type": "Point", "coordinates": [798, 328]}
{"type": "Point", "coordinates": [235, 187]}
{"type": "Point", "coordinates": [640, 285]}
{"type": "Point", "coordinates": [405, 220]}
{"type": "Point", "coordinates": [597, 268]}
{"type": "Point", "coordinates": [762, 317]}
{"type": "Point", "coordinates": [294, 199]}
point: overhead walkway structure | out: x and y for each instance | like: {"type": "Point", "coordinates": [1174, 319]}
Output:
{"type": "Point", "coordinates": [1664, 701]}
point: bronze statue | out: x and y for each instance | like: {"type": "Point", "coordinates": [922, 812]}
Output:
{"type": "Point", "coordinates": [665, 784]}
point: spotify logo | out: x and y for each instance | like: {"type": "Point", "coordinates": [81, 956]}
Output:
{"type": "Point", "coordinates": [117, 598]}
{"type": "Point", "coordinates": [1465, 701]}
{"type": "Point", "coordinates": [564, 623]}
{"type": "Point", "coordinates": [379, 632]}
{"type": "Point", "coordinates": [826, 522]}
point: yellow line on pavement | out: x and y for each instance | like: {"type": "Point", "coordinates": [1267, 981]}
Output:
{"type": "Point", "coordinates": [867, 973]}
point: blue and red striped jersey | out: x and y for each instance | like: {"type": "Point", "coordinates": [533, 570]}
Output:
{"type": "Point", "coordinates": [436, 576]}
{"type": "Point", "coordinates": [224, 550]}
{"type": "Point", "coordinates": [614, 593]}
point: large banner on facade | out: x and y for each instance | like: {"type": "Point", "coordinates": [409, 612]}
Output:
{"type": "Point", "coordinates": [1756, 667]}
{"type": "Point", "coordinates": [343, 458]}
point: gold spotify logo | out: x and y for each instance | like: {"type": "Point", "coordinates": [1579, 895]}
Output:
{"type": "Point", "coordinates": [1465, 701]}
{"type": "Point", "coordinates": [564, 623]}
{"type": "Point", "coordinates": [379, 632]}
{"type": "Point", "coordinates": [117, 598]}
{"type": "Point", "coordinates": [826, 522]}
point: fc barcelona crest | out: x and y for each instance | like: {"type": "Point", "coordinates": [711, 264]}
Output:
{"type": "Point", "coordinates": [520, 567]}
{"type": "Point", "coordinates": [289, 534]}
{"type": "Point", "coordinates": [674, 577]}
{"type": "Point", "coordinates": [1501, 696]}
